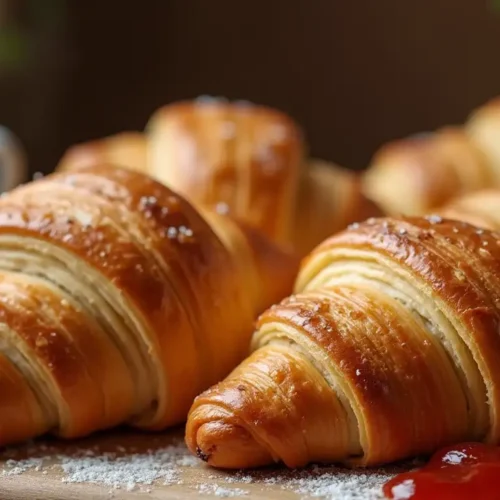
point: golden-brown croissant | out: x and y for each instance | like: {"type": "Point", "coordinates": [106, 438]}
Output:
{"type": "Point", "coordinates": [417, 174]}
{"type": "Point", "coordinates": [388, 349]}
{"type": "Point", "coordinates": [236, 158]}
{"type": "Point", "coordinates": [481, 208]}
{"type": "Point", "coordinates": [119, 302]}
{"type": "Point", "coordinates": [248, 160]}
{"type": "Point", "coordinates": [241, 159]}
{"type": "Point", "coordinates": [126, 149]}
{"type": "Point", "coordinates": [483, 126]}
{"type": "Point", "coordinates": [330, 198]}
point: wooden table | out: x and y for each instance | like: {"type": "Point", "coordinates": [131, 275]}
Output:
{"type": "Point", "coordinates": [23, 477]}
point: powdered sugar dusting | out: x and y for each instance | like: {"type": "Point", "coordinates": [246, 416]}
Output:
{"type": "Point", "coordinates": [130, 471]}
{"type": "Point", "coordinates": [220, 491]}
{"type": "Point", "coordinates": [123, 468]}
{"type": "Point", "coordinates": [322, 482]}
{"type": "Point", "coordinates": [346, 485]}
{"type": "Point", "coordinates": [128, 466]}
{"type": "Point", "coordinates": [15, 467]}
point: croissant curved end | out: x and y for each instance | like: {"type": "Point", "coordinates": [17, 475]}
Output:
{"type": "Point", "coordinates": [226, 445]}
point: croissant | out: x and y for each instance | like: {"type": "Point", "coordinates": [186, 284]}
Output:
{"type": "Point", "coordinates": [483, 126]}
{"type": "Point", "coordinates": [249, 160]}
{"type": "Point", "coordinates": [126, 149]}
{"type": "Point", "coordinates": [417, 174]}
{"type": "Point", "coordinates": [119, 302]}
{"type": "Point", "coordinates": [241, 159]}
{"type": "Point", "coordinates": [388, 349]}
{"type": "Point", "coordinates": [330, 198]}
{"type": "Point", "coordinates": [481, 208]}
{"type": "Point", "coordinates": [235, 158]}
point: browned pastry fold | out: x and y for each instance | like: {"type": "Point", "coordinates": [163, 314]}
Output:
{"type": "Point", "coordinates": [481, 208]}
{"type": "Point", "coordinates": [388, 349]}
{"type": "Point", "coordinates": [233, 157]}
{"type": "Point", "coordinates": [330, 198]}
{"type": "Point", "coordinates": [125, 149]}
{"type": "Point", "coordinates": [417, 174]}
{"type": "Point", "coordinates": [119, 302]}
{"type": "Point", "coordinates": [483, 126]}
{"type": "Point", "coordinates": [249, 161]}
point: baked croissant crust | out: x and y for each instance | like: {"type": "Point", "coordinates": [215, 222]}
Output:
{"type": "Point", "coordinates": [119, 302]}
{"type": "Point", "coordinates": [248, 160]}
{"type": "Point", "coordinates": [126, 150]}
{"type": "Point", "coordinates": [241, 159]}
{"type": "Point", "coordinates": [388, 349]}
{"type": "Point", "coordinates": [232, 157]}
{"type": "Point", "coordinates": [330, 198]}
{"type": "Point", "coordinates": [483, 126]}
{"type": "Point", "coordinates": [481, 208]}
{"type": "Point", "coordinates": [420, 173]}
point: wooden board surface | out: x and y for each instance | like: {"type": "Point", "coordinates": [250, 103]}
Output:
{"type": "Point", "coordinates": [46, 470]}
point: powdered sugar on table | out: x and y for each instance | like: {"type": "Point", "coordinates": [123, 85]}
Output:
{"type": "Point", "coordinates": [128, 465]}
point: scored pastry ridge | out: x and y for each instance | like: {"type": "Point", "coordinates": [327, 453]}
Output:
{"type": "Point", "coordinates": [400, 321]}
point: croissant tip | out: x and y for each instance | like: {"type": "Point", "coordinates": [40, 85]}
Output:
{"type": "Point", "coordinates": [204, 456]}
{"type": "Point", "coordinates": [201, 455]}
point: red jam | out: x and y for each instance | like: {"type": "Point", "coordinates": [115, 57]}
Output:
{"type": "Point", "coordinates": [465, 471]}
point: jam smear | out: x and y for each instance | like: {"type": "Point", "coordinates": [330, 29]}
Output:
{"type": "Point", "coordinates": [465, 471]}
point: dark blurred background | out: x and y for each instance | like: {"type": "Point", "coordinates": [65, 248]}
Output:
{"type": "Point", "coordinates": [354, 73]}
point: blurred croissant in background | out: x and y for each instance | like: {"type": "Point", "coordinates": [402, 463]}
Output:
{"type": "Point", "coordinates": [420, 173]}
{"type": "Point", "coordinates": [481, 208]}
{"type": "Point", "coordinates": [330, 198]}
{"type": "Point", "coordinates": [232, 157]}
{"type": "Point", "coordinates": [412, 175]}
{"type": "Point", "coordinates": [483, 127]}
{"type": "Point", "coordinates": [126, 149]}
{"type": "Point", "coordinates": [251, 162]}
{"type": "Point", "coordinates": [246, 160]}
